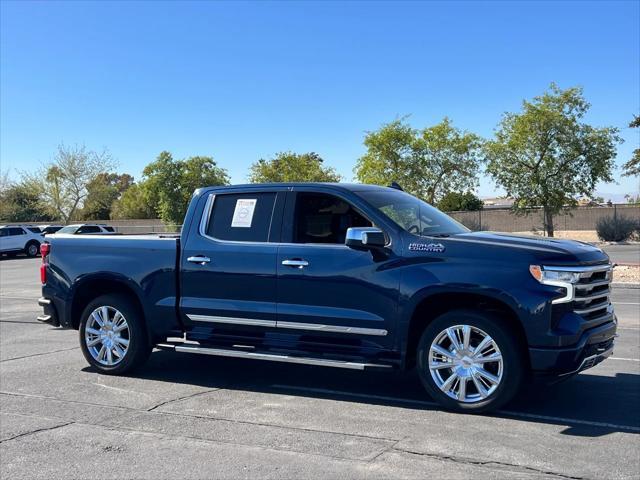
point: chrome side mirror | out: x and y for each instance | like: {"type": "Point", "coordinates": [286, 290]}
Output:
{"type": "Point", "coordinates": [365, 237]}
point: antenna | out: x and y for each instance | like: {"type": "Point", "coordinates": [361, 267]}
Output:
{"type": "Point", "coordinates": [396, 185]}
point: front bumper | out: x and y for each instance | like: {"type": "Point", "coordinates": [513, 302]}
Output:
{"type": "Point", "coordinates": [594, 346]}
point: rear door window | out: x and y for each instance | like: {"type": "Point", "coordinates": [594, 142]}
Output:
{"type": "Point", "coordinates": [242, 217]}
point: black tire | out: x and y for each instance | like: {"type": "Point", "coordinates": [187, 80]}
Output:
{"type": "Point", "coordinates": [512, 360]}
{"type": "Point", "coordinates": [138, 348]}
{"type": "Point", "coordinates": [32, 249]}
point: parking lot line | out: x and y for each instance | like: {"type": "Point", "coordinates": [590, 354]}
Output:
{"type": "Point", "coordinates": [625, 359]}
{"type": "Point", "coordinates": [426, 403]}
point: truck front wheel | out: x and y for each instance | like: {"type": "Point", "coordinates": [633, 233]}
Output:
{"type": "Point", "coordinates": [469, 361]}
{"type": "Point", "coordinates": [113, 337]}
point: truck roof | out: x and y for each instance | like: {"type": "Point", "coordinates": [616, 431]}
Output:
{"type": "Point", "coordinates": [352, 187]}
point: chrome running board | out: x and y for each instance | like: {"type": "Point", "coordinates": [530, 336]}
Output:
{"type": "Point", "coordinates": [272, 357]}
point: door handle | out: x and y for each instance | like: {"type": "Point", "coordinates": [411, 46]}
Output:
{"type": "Point", "coordinates": [295, 263]}
{"type": "Point", "coordinates": [199, 259]}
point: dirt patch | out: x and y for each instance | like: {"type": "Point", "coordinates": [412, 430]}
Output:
{"type": "Point", "coordinates": [626, 274]}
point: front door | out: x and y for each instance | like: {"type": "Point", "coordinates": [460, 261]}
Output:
{"type": "Point", "coordinates": [329, 293]}
{"type": "Point", "coordinates": [228, 265]}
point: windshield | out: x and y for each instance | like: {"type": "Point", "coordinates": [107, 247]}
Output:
{"type": "Point", "coordinates": [411, 214]}
{"type": "Point", "coordinates": [69, 229]}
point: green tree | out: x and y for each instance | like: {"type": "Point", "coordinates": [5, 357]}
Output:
{"type": "Point", "coordinates": [102, 192]}
{"type": "Point", "coordinates": [20, 202]}
{"type": "Point", "coordinates": [292, 167]}
{"type": "Point", "coordinates": [455, 202]}
{"type": "Point", "coordinates": [428, 163]}
{"type": "Point", "coordinates": [168, 184]}
{"type": "Point", "coordinates": [545, 156]}
{"type": "Point", "coordinates": [63, 182]}
{"type": "Point", "coordinates": [133, 204]}
{"type": "Point", "coordinates": [632, 167]}
{"type": "Point", "coordinates": [632, 199]}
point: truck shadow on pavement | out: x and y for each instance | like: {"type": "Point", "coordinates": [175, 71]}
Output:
{"type": "Point", "coordinates": [588, 405]}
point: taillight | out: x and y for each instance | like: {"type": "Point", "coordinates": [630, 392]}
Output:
{"type": "Point", "coordinates": [45, 248]}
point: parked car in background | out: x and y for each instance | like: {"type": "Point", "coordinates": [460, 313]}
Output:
{"type": "Point", "coordinates": [47, 229]}
{"type": "Point", "coordinates": [87, 229]}
{"type": "Point", "coordinates": [17, 239]}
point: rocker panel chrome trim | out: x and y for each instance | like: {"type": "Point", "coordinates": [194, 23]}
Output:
{"type": "Point", "coordinates": [256, 322]}
{"type": "Point", "coordinates": [333, 328]}
{"type": "Point", "coordinates": [316, 327]}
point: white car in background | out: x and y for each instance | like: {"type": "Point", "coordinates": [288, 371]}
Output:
{"type": "Point", "coordinates": [87, 228]}
{"type": "Point", "coordinates": [17, 239]}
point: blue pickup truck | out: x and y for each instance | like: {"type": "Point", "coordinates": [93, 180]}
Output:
{"type": "Point", "coordinates": [337, 275]}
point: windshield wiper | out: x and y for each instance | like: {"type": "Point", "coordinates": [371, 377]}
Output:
{"type": "Point", "coordinates": [439, 235]}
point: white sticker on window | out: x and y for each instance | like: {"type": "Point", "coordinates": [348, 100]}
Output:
{"type": "Point", "coordinates": [243, 214]}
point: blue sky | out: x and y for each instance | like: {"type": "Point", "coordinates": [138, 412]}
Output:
{"type": "Point", "coordinates": [241, 81]}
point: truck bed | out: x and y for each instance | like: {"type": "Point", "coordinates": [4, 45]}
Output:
{"type": "Point", "coordinates": [146, 263]}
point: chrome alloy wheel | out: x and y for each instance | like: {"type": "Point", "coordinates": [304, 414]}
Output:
{"type": "Point", "coordinates": [107, 335]}
{"type": "Point", "coordinates": [465, 363]}
{"type": "Point", "coordinates": [32, 251]}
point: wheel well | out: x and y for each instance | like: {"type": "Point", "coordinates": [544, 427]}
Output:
{"type": "Point", "coordinates": [435, 305]}
{"type": "Point", "coordinates": [95, 288]}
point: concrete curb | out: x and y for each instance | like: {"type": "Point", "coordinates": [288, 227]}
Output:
{"type": "Point", "coordinates": [624, 285]}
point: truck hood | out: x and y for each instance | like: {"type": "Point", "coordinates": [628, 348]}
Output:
{"type": "Point", "coordinates": [551, 250]}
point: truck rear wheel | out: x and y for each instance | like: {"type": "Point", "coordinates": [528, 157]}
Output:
{"type": "Point", "coordinates": [113, 337]}
{"type": "Point", "coordinates": [469, 361]}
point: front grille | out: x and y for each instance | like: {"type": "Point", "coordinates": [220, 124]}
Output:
{"type": "Point", "coordinates": [591, 294]}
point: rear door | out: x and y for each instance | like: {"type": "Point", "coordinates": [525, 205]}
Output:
{"type": "Point", "coordinates": [17, 238]}
{"type": "Point", "coordinates": [4, 239]}
{"type": "Point", "coordinates": [329, 293]}
{"type": "Point", "coordinates": [228, 264]}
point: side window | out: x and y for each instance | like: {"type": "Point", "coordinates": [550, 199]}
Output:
{"type": "Point", "coordinates": [321, 218]}
{"type": "Point", "coordinates": [17, 231]}
{"type": "Point", "coordinates": [109, 229]}
{"type": "Point", "coordinates": [89, 229]}
{"type": "Point", "coordinates": [4, 232]}
{"type": "Point", "coordinates": [242, 217]}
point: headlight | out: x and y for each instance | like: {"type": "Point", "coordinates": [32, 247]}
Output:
{"type": "Point", "coordinates": [557, 278]}
{"type": "Point", "coordinates": [547, 276]}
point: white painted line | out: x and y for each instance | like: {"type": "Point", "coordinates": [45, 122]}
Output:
{"type": "Point", "coordinates": [509, 413]}
{"type": "Point", "coordinates": [625, 303]}
{"type": "Point", "coordinates": [625, 359]}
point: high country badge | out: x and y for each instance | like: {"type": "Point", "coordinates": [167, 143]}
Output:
{"type": "Point", "coordinates": [426, 247]}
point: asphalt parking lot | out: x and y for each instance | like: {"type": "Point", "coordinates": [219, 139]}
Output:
{"type": "Point", "coordinates": [192, 416]}
{"type": "Point", "coordinates": [623, 254]}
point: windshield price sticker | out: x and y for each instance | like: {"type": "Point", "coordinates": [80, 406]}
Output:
{"type": "Point", "coordinates": [243, 214]}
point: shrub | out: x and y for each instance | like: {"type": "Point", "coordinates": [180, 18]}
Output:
{"type": "Point", "coordinates": [616, 229]}
{"type": "Point", "coordinates": [457, 202]}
